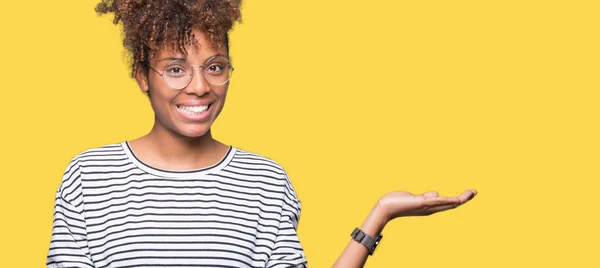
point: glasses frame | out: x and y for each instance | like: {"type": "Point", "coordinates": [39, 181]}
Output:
{"type": "Point", "coordinates": [201, 67]}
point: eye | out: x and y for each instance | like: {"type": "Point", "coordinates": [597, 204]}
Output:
{"type": "Point", "coordinates": [216, 68]}
{"type": "Point", "coordinates": [175, 70]}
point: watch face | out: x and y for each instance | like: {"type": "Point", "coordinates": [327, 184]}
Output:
{"type": "Point", "coordinates": [377, 240]}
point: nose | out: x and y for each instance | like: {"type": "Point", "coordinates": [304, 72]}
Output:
{"type": "Point", "coordinates": [198, 85]}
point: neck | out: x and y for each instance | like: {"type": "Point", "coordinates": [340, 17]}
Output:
{"type": "Point", "coordinates": [169, 150]}
{"type": "Point", "coordinates": [174, 144]}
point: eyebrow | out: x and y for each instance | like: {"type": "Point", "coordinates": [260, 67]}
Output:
{"type": "Point", "coordinates": [183, 59]}
{"type": "Point", "coordinates": [172, 58]}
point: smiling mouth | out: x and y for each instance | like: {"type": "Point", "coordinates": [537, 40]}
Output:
{"type": "Point", "coordinates": [193, 110]}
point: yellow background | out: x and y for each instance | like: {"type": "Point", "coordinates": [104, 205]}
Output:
{"type": "Point", "coordinates": [354, 99]}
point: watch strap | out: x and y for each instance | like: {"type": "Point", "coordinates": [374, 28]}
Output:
{"type": "Point", "coordinates": [366, 240]}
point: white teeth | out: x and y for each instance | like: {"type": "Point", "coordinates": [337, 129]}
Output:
{"type": "Point", "coordinates": [193, 109]}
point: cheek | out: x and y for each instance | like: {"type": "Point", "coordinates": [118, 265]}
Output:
{"type": "Point", "coordinates": [160, 100]}
{"type": "Point", "coordinates": [222, 96]}
{"type": "Point", "coordinates": [221, 93]}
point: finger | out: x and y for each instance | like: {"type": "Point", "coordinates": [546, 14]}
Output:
{"type": "Point", "coordinates": [441, 208]}
{"type": "Point", "coordinates": [467, 195]}
{"type": "Point", "coordinates": [420, 199]}
{"type": "Point", "coordinates": [398, 194]}
{"type": "Point", "coordinates": [431, 194]}
{"type": "Point", "coordinates": [443, 200]}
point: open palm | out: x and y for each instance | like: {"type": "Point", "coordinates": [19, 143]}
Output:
{"type": "Point", "coordinates": [399, 204]}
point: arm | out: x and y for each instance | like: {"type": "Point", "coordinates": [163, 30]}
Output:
{"type": "Point", "coordinates": [68, 247]}
{"type": "Point", "coordinates": [391, 206]}
{"type": "Point", "coordinates": [69, 243]}
{"type": "Point", "coordinates": [287, 251]}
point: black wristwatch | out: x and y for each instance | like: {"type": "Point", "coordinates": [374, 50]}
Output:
{"type": "Point", "coordinates": [366, 240]}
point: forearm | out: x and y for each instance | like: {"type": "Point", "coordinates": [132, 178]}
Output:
{"type": "Point", "coordinates": [355, 254]}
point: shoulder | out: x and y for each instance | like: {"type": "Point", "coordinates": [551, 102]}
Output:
{"type": "Point", "coordinates": [100, 152]}
{"type": "Point", "coordinates": [251, 160]}
{"type": "Point", "coordinates": [97, 156]}
{"type": "Point", "coordinates": [106, 152]}
{"type": "Point", "coordinates": [253, 163]}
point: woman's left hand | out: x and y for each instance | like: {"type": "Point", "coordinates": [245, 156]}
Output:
{"type": "Point", "coordinates": [400, 204]}
{"type": "Point", "coordinates": [394, 205]}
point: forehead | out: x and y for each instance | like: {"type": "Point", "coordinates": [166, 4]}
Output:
{"type": "Point", "coordinates": [200, 49]}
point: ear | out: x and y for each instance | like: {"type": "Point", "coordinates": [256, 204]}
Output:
{"type": "Point", "coordinates": [141, 77]}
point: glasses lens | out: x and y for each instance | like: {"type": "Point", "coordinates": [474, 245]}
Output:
{"type": "Point", "coordinates": [177, 74]}
{"type": "Point", "coordinates": [217, 71]}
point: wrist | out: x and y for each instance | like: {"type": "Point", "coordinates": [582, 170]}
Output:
{"type": "Point", "coordinates": [375, 221]}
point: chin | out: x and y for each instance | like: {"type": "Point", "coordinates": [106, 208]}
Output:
{"type": "Point", "coordinates": [193, 132]}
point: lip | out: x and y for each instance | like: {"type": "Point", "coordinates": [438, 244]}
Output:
{"type": "Point", "coordinates": [200, 117]}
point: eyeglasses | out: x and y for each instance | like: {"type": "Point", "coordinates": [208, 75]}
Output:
{"type": "Point", "coordinates": [178, 74]}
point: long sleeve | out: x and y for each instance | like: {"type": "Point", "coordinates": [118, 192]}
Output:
{"type": "Point", "coordinates": [288, 251]}
{"type": "Point", "coordinates": [69, 244]}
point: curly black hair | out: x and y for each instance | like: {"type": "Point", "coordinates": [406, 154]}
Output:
{"type": "Point", "coordinates": [149, 25]}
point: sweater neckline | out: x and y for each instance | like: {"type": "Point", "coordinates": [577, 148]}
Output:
{"type": "Point", "coordinates": [178, 173]}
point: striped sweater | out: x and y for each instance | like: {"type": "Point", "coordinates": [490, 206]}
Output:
{"type": "Point", "coordinates": [112, 210]}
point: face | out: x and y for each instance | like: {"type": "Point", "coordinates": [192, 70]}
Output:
{"type": "Point", "coordinates": [189, 111]}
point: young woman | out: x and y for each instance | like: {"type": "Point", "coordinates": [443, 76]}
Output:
{"type": "Point", "coordinates": [177, 197]}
